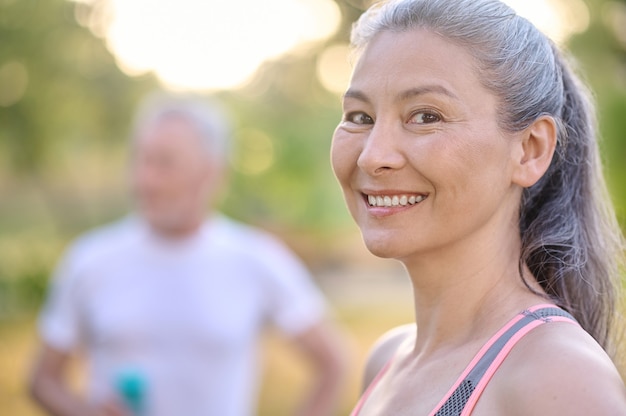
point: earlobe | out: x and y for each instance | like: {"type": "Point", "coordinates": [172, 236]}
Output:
{"type": "Point", "coordinates": [537, 149]}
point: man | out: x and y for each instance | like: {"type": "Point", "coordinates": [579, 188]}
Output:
{"type": "Point", "coordinates": [168, 304]}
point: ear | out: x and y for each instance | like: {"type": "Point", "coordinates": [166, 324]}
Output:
{"type": "Point", "coordinates": [535, 151]}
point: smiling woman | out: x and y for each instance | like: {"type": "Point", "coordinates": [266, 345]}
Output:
{"type": "Point", "coordinates": [467, 151]}
{"type": "Point", "coordinates": [216, 44]}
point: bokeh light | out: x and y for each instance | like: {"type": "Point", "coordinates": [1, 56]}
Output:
{"type": "Point", "coordinates": [614, 16]}
{"type": "Point", "coordinates": [206, 45]}
{"type": "Point", "coordinates": [255, 152]}
{"type": "Point", "coordinates": [333, 67]}
{"type": "Point", "coordinates": [559, 19]}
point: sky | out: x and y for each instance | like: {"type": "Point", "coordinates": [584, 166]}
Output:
{"type": "Point", "coordinates": [208, 45]}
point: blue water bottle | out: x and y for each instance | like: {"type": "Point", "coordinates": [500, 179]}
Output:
{"type": "Point", "coordinates": [132, 388]}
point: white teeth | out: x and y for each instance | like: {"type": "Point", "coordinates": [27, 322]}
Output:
{"type": "Point", "coordinates": [394, 201]}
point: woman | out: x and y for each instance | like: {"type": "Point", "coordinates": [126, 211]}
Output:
{"type": "Point", "coordinates": [467, 151]}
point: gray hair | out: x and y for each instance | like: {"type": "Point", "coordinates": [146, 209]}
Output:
{"type": "Point", "coordinates": [207, 117]}
{"type": "Point", "coordinates": [571, 241]}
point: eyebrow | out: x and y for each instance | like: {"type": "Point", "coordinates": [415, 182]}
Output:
{"type": "Point", "coordinates": [427, 89]}
{"type": "Point", "coordinates": [357, 95]}
{"type": "Point", "coordinates": [405, 95]}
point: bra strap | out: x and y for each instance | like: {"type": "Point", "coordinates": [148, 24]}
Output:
{"type": "Point", "coordinates": [462, 398]}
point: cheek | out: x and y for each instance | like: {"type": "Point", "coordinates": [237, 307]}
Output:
{"type": "Point", "coordinates": [343, 157]}
{"type": "Point", "coordinates": [169, 190]}
{"type": "Point", "coordinates": [474, 171]}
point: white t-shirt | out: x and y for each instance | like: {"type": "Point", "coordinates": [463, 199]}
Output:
{"type": "Point", "coordinates": [185, 315]}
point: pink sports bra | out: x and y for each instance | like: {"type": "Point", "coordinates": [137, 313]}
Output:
{"type": "Point", "coordinates": [464, 393]}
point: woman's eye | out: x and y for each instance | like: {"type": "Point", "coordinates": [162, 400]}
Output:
{"type": "Point", "coordinates": [359, 118]}
{"type": "Point", "coordinates": [424, 118]}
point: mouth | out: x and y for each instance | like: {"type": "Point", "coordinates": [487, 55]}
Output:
{"type": "Point", "coordinates": [388, 201]}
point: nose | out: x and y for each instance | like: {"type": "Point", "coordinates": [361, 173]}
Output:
{"type": "Point", "coordinates": [144, 176]}
{"type": "Point", "coordinates": [381, 152]}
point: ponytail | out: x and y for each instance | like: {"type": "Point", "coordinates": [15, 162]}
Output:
{"type": "Point", "coordinates": [570, 238]}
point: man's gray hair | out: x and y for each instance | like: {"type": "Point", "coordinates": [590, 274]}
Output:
{"type": "Point", "coordinates": [209, 118]}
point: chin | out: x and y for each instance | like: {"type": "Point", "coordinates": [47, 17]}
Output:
{"type": "Point", "coordinates": [381, 247]}
{"type": "Point", "coordinates": [164, 223]}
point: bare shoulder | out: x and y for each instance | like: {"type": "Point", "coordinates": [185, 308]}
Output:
{"type": "Point", "coordinates": [558, 369]}
{"type": "Point", "coordinates": [384, 349]}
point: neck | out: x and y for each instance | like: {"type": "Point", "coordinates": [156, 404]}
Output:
{"type": "Point", "coordinates": [466, 294]}
{"type": "Point", "coordinates": [178, 232]}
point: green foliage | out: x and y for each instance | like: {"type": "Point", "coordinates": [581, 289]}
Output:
{"type": "Point", "coordinates": [298, 190]}
{"type": "Point", "coordinates": [72, 89]}
{"type": "Point", "coordinates": [602, 59]}
{"type": "Point", "coordinates": [65, 110]}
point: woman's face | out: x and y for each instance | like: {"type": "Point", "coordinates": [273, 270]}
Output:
{"type": "Point", "coordinates": [418, 153]}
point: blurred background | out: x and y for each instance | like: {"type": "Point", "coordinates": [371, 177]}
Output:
{"type": "Point", "coordinates": [71, 73]}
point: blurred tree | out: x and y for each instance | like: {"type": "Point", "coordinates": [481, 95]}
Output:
{"type": "Point", "coordinates": [287, 102]}
{"type": "Point", "coordinates": [601, 52]}
{"type": "Point", "coordinates": [58, 84]}
{"type": "Point", "coordinates": [63, 101]}
{"type": "Point", "coordinates": [63, 98]}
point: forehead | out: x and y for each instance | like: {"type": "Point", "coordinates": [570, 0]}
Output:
{"type": "Point", "coordinates": [172, 133]}
{"type": "Point", "coordinates": [399, 61]}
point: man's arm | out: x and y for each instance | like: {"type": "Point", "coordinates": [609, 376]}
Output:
{"type": "Point", "coordinates": [49, 388]}
{"type": "Point", "coordinates": [324, 346]}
